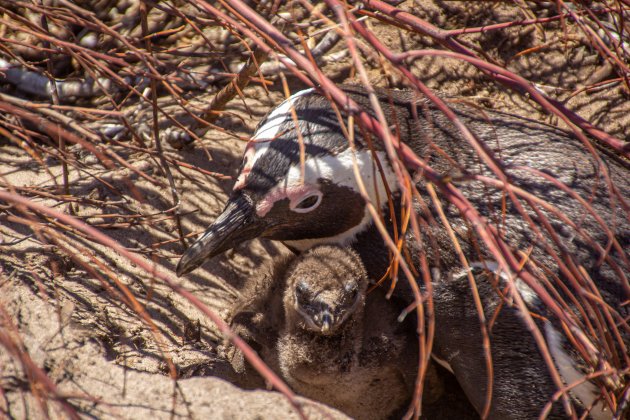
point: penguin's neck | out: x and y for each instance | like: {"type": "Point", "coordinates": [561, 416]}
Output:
{"type": "Point", "coordinates": [346, 238]}
{"type": "Point", "coordinates": [371, 246]}
{"type": "Point", "coordinates": [365, 239]}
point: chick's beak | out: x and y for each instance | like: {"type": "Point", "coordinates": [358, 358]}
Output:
{"type": "Point", "coordinates": [326, 322]}
{"type": "Point", "coordinates": [237, 223]}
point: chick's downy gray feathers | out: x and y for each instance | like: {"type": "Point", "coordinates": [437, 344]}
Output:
{"type": "Point", "coordinates": [333, 341]}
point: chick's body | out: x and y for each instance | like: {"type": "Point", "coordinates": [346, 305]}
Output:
{"type": "Point", "coordinates": [334, 342]}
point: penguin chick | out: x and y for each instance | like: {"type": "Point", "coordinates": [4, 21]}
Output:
{"type": "Point", "coordinates": [339, 344]}
{"type": "Point", "coordinates": [312, 320]}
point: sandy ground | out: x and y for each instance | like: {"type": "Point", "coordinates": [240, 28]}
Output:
{"type": "Point", "coordinates": [97, 349]}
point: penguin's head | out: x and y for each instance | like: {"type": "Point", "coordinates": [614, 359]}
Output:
{"type": "Point", "coordinates": [325, 286]}
{"type": "Point", "coordinates": [297, 184]}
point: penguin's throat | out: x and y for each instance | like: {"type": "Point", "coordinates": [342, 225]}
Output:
{"type": "Point", "coordinates": [364, 237]}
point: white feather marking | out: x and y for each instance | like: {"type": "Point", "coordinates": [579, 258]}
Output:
{"type": "Point", "coordinates": [259, 144]}
{"type": "Point", "coordinates": [280, 114]}
{"type": "Point", "coordinates": [529, 296]}
{"type": "Point", "coordinates": [586, 392]}
{"type": "Point", "coordinates": [442, 363]}
{"type": "Point", "coordinates": [270, 129]}
{"type": "Point", "coordinates": [340, 170]}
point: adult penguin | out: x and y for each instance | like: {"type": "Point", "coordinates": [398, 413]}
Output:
{"type": "Point", "coordinates": [297, 185]}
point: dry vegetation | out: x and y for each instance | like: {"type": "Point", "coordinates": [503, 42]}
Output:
{"type": "Point", "coordinates": [121, 128]}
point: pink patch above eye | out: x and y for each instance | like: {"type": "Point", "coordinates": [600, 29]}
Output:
{"type": "Point", "coordinates": [240, 181]}
{"type": "Point", "coordinates": [294, 193]}
{"type": "Point", "coordinates": [248, 158]}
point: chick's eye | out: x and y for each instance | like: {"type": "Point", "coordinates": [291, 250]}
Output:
{"type": "Point", "coordinates": [301, 293]}
{"type": "Point", "coordinates": [308, 203]}
{"type": "Point", "coordinates": [352, 289]}
{"type": "Point", "coordinates": [301, 288]}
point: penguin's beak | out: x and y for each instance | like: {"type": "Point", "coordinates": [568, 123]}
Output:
{"type": "Point", "coordinates": [237, 223]}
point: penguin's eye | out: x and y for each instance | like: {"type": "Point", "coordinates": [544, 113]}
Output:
{"type": "Point", "coordinates": [308, 203]}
